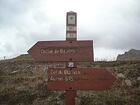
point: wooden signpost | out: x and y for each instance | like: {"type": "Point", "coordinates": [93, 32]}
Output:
{"type": "Point", "coordinates": [70, 51]}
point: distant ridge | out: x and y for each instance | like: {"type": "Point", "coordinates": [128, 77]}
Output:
{"type": "Point", "coordinates": [131, 55]}
{"type": "Point", "coordinates": [23, 57]}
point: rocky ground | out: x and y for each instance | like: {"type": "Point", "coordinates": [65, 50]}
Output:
{"type": "Point", "coordinates": [24, 82]}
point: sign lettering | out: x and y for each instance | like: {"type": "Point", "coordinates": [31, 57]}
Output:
{"type": "Point", "coordinates": [58, 51]}
{"type": "Point", "coordinates": [79, 79]}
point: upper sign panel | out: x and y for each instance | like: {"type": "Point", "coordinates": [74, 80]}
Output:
{"type": "Point", "coordinates": [53, 51]}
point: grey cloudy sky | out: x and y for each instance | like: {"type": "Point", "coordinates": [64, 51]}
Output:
{"type": "Point", "coordinates": [113, 25]}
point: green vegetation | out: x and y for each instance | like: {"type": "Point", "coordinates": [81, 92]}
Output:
{"type": "Point", "coordinates": [109, 98]}
{"type": "Point", "coordinates": [23, 82]}
{"type": "Point", "coordinates": [36, 96]}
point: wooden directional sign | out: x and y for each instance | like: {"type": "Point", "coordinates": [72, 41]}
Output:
{"type": "Point", "coordinates": [53, 51]}
{"type": "Point", "coordinates": [79, 79]}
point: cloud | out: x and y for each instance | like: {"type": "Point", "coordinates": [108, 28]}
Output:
{"type": "Point", "coordinates": [20, 22]}
{"type": "Point", "coordinates": [111, 24]}
{"type": "Point", "coordinates": [116, 25]}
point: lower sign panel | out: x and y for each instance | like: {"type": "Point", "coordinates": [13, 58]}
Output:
{"type": "Point", "coordinates": [79, 79]}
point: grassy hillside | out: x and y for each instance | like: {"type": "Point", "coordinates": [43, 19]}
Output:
{"type": "Point", "coordinates": [24, 82]}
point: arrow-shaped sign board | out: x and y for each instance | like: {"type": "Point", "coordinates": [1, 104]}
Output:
{"type": "Point", "coordinates": [53, 51]}
{"type": "Point", "coordinates": [79, 79]}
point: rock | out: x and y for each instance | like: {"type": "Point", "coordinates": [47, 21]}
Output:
{"type": "Point", "coordinates": [131, 55]}
{"type": "Point", "coordinates": [120, 75]}
{"type": "Point", "coordinates": [128, 82]}
{"type": "Point", "coordinates": [14, 72]}
{"type": "Point", "coordinates": [138, 78]}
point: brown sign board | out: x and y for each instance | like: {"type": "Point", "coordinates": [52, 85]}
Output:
{"type": "Point", "coordinates": [53, 51]}
{"type": "Point", "coordinates": [79, 79]}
